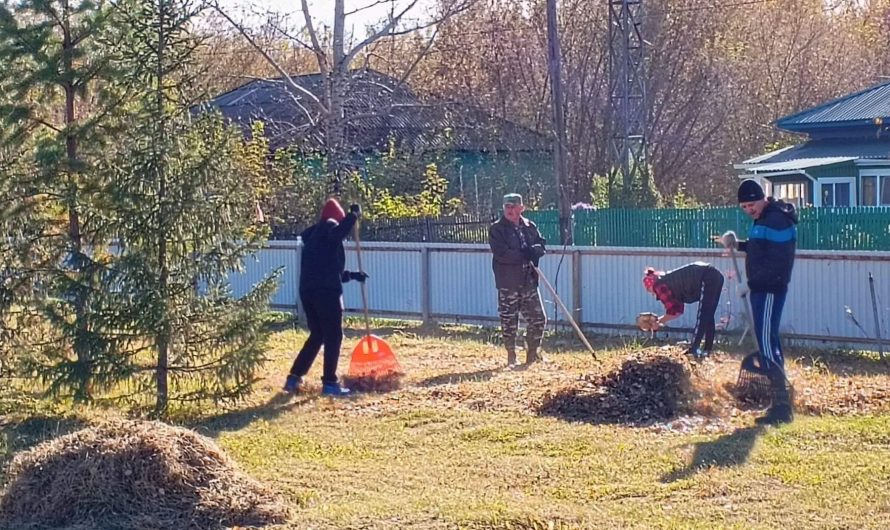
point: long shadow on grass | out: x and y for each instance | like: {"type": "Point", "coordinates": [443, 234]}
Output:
{"type": "Point", "coordinates": [487, 335]}
{"type": "Point", "coordinates": [729, 450]}
{"type": "Point", "coordinates": [461, 377]}
{"type": "Point", "coordinates": [235, 420]}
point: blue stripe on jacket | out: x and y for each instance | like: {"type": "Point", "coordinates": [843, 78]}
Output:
{"type": "Point", "coordinates": [771, 234]}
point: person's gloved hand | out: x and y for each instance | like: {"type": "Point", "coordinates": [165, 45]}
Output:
{"type": "Point", "coordinates": [356, 276]}
{"type": "Point", "coordinates": [728, 240]}
{"type": "Point", "coordinates": [533, 253]}
{"type": "Point", "coordinates": [355, 210]}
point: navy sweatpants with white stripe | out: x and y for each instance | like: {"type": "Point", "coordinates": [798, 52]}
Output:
{"type": "Point", "coordinates": [711, 287]}
{"type": "Point", "coordinates": [767, 309]}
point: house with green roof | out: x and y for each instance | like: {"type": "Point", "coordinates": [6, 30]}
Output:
{"type": "Point", "coordinates": [845, 160]}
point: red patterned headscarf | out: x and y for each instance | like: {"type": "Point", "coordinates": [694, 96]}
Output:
{"type": "Point", "coordinates": [650, 277]}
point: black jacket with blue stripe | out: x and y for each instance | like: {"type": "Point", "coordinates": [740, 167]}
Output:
{"type": "Point", "coordinates": [770, 248]}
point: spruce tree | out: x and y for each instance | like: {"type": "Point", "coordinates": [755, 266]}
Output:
{"type": "Point", "coordinates": [55, 55]}
{"type": "Point", "coordinates": [184, 187]}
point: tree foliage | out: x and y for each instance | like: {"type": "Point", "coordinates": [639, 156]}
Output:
{"type": "Point", "coordinates": [717, 76]}
{"type": "Point", "coordinates": [126, 206]}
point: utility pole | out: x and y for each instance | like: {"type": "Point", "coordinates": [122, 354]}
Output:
{"type": "Point", "coordinates": [560, 158]}
{"type": "Point", "coordinates": [627, 96]}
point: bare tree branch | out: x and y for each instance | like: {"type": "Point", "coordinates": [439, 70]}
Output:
{"type": "Point", "coordinates": [313, 37]}
{"type": "Point", "coordinates": [369, 6]}
{"type": "Point", "coordinates": [275, 65]}
{"type": "Point", "coordinates": [419, 56]}
{"type": "Point", "coordinates": [385, 31]}
{"type": "Point", "coordinates": [48, 125]}
{"type": "Point", "coordinates": [288, 35]}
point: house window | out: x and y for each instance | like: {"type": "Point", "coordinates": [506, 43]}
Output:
{"type": "Point", "coordinates": [869, 190]}
{"type": "Point", "coordinates": [836, 194]}
{"type": "Point", "coordinates": [793, 192]}
{"type": "Point", "coordinates": [875, 189]}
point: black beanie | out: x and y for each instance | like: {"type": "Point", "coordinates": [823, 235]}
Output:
{"type": "Point", "coordinates": [750, 191]}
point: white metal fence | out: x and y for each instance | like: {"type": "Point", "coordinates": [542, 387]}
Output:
{"type": "Point", "coordinates": [454, 282]}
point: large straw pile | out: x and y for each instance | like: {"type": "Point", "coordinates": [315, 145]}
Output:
{"type": "Point", "coordinates": [130, 474]}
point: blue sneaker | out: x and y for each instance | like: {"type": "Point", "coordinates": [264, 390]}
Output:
{"type": "Point", "coordinates": [293, 384]}
{"type": "Point", "coordinates": [334, 390]}
{"type": "Point", "coordinates": [698, 354]}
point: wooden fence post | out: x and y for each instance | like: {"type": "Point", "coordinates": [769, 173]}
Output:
{"type": "Point", "coordinates": [425, 286]}
{"type": "Point", "coordinates": [299, 312]}
{"type": "Point", "coordinates": [576, 287]}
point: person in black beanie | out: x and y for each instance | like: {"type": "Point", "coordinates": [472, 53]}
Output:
{"type": "Point", "coordinates": [695, 282]}
{"type": "Point", "coordinates": [769, 259]}
{"type": "Point", "coordinates": [322, 273]}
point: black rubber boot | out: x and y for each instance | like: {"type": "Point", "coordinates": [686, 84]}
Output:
{"type": "Point", "coordinates": [781, 409]}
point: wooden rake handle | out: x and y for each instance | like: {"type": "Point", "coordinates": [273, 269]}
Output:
{"type": "Point", "coordinates": [565, 310]}
{"type": "Point", "coordinates": [358, 254]}
{"type": "Point", "coordinates": [745, 302]}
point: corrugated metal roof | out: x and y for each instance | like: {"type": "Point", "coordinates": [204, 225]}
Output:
{"type": "Point", "coordinates": [382, 108]}
{"type": "Point", "coordinates": [767, 156]}
{"type": "Point", "coordinates": [873, 149]}
{"type": "Point", "coordinates": [863, 106]}
{"type": "Point", "coordinates": [800, 163]}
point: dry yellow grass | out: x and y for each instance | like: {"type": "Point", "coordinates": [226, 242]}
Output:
{"type": "Point", "coordinates": [463, 444]}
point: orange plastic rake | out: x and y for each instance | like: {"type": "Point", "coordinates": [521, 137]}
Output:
{"type": "Point", "coordinates": [372, 357]}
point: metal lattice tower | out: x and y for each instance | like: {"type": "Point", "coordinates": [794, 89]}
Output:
{"type": "Point", "coordinates": [627, 91]}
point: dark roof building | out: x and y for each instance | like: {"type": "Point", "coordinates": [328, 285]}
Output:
{"type": "Point", "coordinates": [377, 108]}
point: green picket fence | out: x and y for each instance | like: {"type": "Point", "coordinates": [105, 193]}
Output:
{"type": "Point", "coordinates": [548, 223]}
{"type": "Point", "coordinates": [844, 228]}
{"type": "Point", "coordinates": [852, 228]}
{"type": "Point", "coordinates": [677, 228]}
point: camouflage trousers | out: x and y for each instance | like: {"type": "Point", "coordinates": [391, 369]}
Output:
{"type": "Point", "coordinates": [525, 301]}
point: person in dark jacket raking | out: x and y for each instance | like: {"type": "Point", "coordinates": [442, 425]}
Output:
{"type": "Point", "coordinates": [516, 244]}
{"type": "Point", "coordinates": [696, 282]}
{"type": "Point", "coordinates": [769, 259]}
{"type": "Point", "coordinates": [322, 273]}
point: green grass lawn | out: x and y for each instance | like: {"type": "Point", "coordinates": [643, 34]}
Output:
{"type": "Point", "coordinates": [457, 447]}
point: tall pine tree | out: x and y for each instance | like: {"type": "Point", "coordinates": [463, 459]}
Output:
{"type": "Point", "coordinates": [56, 54]}
{"type": "Point", "coordinates": [184, 189]}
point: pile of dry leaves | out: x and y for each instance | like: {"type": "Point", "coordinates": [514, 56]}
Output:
{"type": "Point", "coordinates": [644, 389]}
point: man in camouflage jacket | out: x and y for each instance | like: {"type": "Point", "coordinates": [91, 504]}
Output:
{"type": "Point", "coordinates": [516, 244]}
